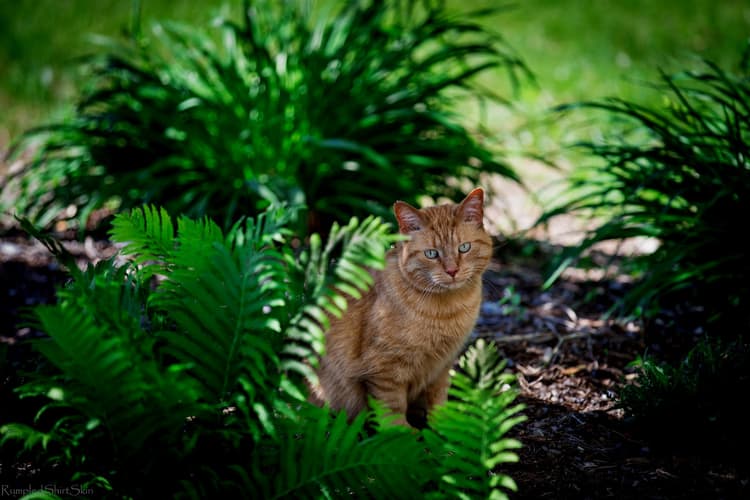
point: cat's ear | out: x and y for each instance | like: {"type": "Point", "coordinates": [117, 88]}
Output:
{"type": "Point", "coordinates": [408, 217]}
{"type": "Point", "coordinates": [472, 208]}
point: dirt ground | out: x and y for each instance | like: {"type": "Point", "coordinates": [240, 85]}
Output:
{"type": "Point", "coordinates": [568, 362]}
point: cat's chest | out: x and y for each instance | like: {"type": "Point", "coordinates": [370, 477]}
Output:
{"type": "Point", "coordinates": [419, 351]}
{"type": "Point", "coordinates": [404, 324]}
{"type": "Point", "coordinates": [434, 329]}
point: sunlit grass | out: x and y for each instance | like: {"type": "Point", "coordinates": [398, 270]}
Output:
{"type": "Point", "coordinates": [583, 50]}
{"type": "Point", "coordinates": [579, 50]}
{"type": "Point", "coordinates": [41, 41]}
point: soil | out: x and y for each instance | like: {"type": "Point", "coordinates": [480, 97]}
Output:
{"type": "Point", "coordinates": [569, 364]}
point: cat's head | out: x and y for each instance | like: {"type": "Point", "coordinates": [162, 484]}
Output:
{"type": "Point", "coordinates": [448, 247]}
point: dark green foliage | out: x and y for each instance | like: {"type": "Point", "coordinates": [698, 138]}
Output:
{"type": "Point", "coordinates": [679, 173]}
{"type": "Point", "coordinates": [469, 450]}
{"type": "Point", "coordinates": [696, 398]}
{"type": "Point", "coordinates": [153, 376]}
{"type": "Point", "coordinates": [182, 373]}
{"type": "Point", "coordinates": [343, 113]}
{"type": "Point", "coordinates": [331, 458]}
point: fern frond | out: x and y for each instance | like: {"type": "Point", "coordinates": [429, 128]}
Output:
{"type": "Point", "coordinates": [148, 235]}
{"type": "Point", "coordinates": [331, 272]}
{"type": "Point", "coordinates": [108, 369]}
{"type": "Point", "coordinates": [268, 228]}
{"type": "Point", "coordinates": [30, 437]}
{"type": "Point", "coordinates": [220, 295]}
{"type": "Point", "coordinates": [468, 432]}
{"type": "Point", "coordinates": [52, 244]}
{"type": "Point", "coordinates": [327, 457]}
{"type": "Point", "coordinates": [114, 296]}
{"type": "Point", "coordinates": [222, 331]}
{"type": "Point", "coordinates": [110, 379]}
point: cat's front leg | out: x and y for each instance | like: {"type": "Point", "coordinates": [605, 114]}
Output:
{"type": "Point", "coordinates": [436, 391]}
{"type": "Point", "coordinates": [393, 394]}
{"type": "Point", "coordinates": [416, 414]}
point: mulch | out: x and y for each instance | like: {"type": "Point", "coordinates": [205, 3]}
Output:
{"type": "Point", "coordinates": [569, 364]}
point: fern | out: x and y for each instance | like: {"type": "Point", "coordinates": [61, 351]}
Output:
{"type": "Point", "coordinates": [124, 390]}
{"type": "Point", "coordinates": [186, 367]}
{"type": "Point", "coordinates": [149, 234]}
{"type": "Point", "coordinates": [468, 433]}
{"type": "Point", "coordinates": [203, 356]}
{"type": "Point", "coordinates": [337, 459]}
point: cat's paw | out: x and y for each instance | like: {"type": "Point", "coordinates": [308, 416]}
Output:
{"type": "Point", "coordinates": [417, 417]}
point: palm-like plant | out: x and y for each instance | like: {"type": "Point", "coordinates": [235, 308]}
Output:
{"type": "Point", "coordinates": [186, 367]}
{"type": "Point", "coordinates": [343, 114]}
{"type": "Point", "coordinates": [681, 176]}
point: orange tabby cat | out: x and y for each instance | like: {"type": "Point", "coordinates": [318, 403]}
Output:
{"type": "Point", "coordinates": [399, 341]}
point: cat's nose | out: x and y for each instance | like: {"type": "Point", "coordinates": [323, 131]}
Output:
{"type": "Point", "coordinates": [451, 271]}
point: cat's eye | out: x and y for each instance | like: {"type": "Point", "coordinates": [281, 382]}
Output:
{"type": "Point", "coordinates": [464, 247]}
{"type": "Point", "coordinates": [431, 253]}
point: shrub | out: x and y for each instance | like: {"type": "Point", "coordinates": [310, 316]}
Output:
{"type": "Point", "coordinates": [679, 173]}
{"type": "Point", "coordinates": [343, 114]}
{"type": "Point", "coordinates": [182, 372]}
{"type": "Point", "coordinates": [696, 398]}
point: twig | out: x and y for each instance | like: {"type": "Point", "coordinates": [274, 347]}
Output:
{"type": "Point", "coordinates": [541, 337]}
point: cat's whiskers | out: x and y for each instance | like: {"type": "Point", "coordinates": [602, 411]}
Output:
{"type": "Point", "coordinates": [425, 295]}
